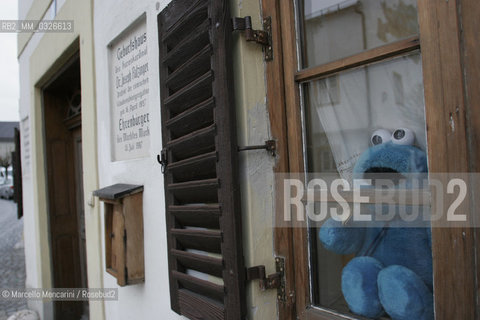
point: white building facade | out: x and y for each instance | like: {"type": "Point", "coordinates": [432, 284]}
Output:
{"type": "Point", "coordinates": [144, 128]}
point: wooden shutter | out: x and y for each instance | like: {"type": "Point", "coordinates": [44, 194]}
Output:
{"type": "Point", "coordinates": [17, 175]}
{"type": "Point", "coordinates": [201, 185]}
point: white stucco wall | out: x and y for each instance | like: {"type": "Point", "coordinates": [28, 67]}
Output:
{"type": "Point", "coordinates": [151, 299]}
{"type": "Point", "coordinates": [23, 7]}
{"type": "Point", "coordinates": [256, 167]}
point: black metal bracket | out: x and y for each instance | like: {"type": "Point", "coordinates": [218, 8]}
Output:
{"type": "Point", "coordinates": [270, 146]}
{"type": "Point", "coordinates": [273, 281]}
{"type": "Point", "coordinates": [263, 37]}
{"type": "Point", "coordinates": [162, 159]}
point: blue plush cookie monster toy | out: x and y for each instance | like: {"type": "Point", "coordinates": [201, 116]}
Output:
{"type": "Point", "coordinates": [392, 270]}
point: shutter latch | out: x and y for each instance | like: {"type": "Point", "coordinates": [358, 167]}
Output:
{"type": "Point", "coordinates": [270, 146]}
{"type": "Point", "coordinates": [273, 281]}
{"type": "Point", "coordinates": [162, 159]}
{"type": "Point", "coordinates": [263, 37]}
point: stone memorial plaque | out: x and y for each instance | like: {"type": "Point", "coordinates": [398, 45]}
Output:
{"type": "Point", "coordinates": [129, 91]}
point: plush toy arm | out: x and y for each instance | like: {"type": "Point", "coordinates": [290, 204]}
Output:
{"type": "Point", "coordinates": [341, 239]}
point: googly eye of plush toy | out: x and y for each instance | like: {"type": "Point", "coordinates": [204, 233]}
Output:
{"type": "Point", "coordinates": [381, 136]}
{"type": "Point", "coordinates": [403, 136]}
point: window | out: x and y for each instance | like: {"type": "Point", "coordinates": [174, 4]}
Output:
{"type": "Point", "coordinates": [365, 54]}
{"type": "Point", "coordinates": [345, 107]}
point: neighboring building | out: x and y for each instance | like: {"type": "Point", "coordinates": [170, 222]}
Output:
{"type": "Point", "coordinates": [163, 98]}
{"type": "Point", "coordinates": [7, 138]}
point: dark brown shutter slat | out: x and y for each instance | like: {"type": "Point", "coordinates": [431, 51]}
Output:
{"type": "Point", "coordinates": [173, 15]}
{"type": "Point", "coordinates": [201, 179]}
{"type": "Point", "coordinates": [196, 66]}
{"type": "Point", "coordinates": [192, 119]}
{"type": "Point", "coordinates": [191, 17]}
{"type": "Point", "coordinates": [196, 92]}
{"type": "Point", "coordinates": [195, 191]}
{"type": "Point", "coordinates": [198, 38]}
{"type": "Point", "coordinates": [193, 185]}
{"type": "Point", "coordinates": [195, 168]}
{"type": "Point", "coordinates": [200, 286]}
{"type": "Point", "coordinates": [205, 216]}
{"type": "Point", "coordinates": [198, 262]}
{"type": "Point", "coordinates": [205, 240]}
{"type": "Point", "coordinates": [198, 307]}
{"type": "Point", "coordinates": [195, 143]}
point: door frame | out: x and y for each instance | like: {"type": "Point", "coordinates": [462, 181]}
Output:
{"type": "Point", "coordinates": [63, 190]}
{"type": "Point", "coordinates": [48, 56]}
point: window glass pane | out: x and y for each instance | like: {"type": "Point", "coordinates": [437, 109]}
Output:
{"type": "Point", "coordinates": [341, 113]}
{"type": "Point", "coordinates": [335, 29]}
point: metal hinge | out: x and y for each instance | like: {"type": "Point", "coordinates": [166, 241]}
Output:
{"type": "Point", "coordinates": [263, 37]}
{"type": "Point", "coordinates": [162, 159]}
{"type": "Point", "coordinates": [273, 281]}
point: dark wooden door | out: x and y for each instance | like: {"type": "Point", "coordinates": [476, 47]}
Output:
{"type": "Point", "coordinates": [63, 155]}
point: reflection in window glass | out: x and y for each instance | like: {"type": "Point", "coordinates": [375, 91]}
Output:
{"type": "Point", "coordinates": [341, 113]}
{"type": "Point", "coordinates": [335, 29]}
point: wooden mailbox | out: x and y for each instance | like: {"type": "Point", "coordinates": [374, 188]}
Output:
{"type": "Point", "coordinates": [124, 255]}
